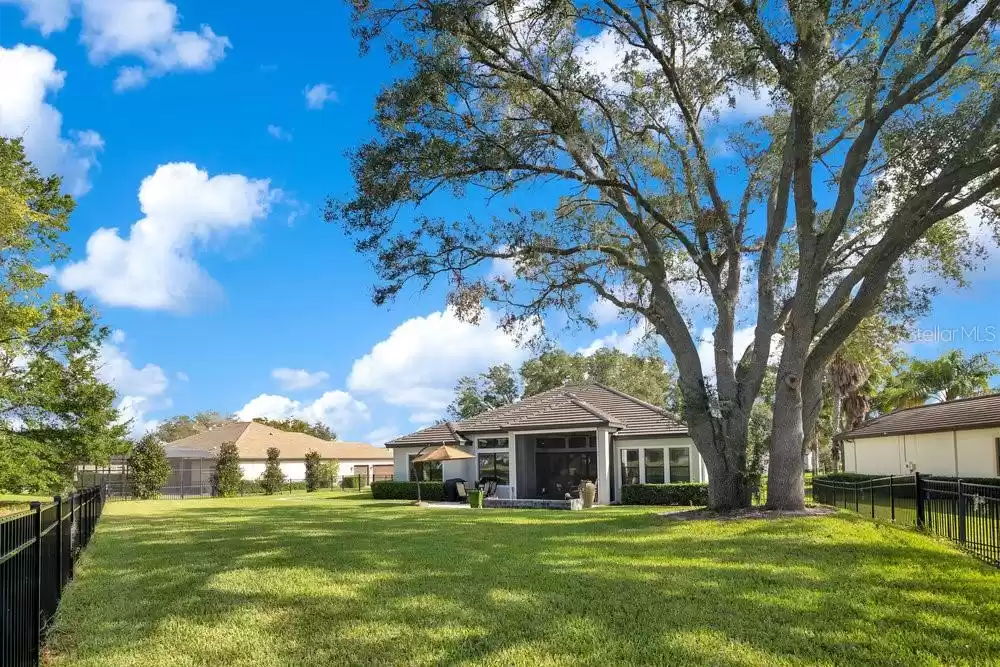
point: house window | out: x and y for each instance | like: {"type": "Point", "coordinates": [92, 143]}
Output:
{"type": "Point", "coordinates": [550, 442]}
{"type": "Point", "coordinates": [680, 464]}
{"type": "Point", "coordinates": [492, 443]}
{"type": "Point", "coordinates": [495, 465]}
{"type": "Point", "coordinates": [653, 458]}
{"type": "Point", "coordinates": [630, 466]}
{"type": "Point", "coordinates": [425, 472]}
{"type": "Point", "coordinates": [580, 441]}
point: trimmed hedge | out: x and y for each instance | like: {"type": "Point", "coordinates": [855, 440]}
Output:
{"type": "Point", "coordinates": [353, 482]}
{"type": "Point", "coordinates": [683, 493]}
{"type": "Point", "coordinates": [392, 490]}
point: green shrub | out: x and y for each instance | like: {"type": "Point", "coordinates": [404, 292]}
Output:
{"type": "Point", "coordinates": [149, 467]}
{"type": "Point", "coordinates": [351, 482]}
{"type": "Point", "coordinates": [392, 490]}
{"type": "Point", "coordinates": [686, 493]}
{"type": "Point", "coordinates": [273, 478]}
{"type": "Point", "coordinates": [327, 473]}
{"type": "Point", "coordinates": [296, 486]}
{"type": "Point", "coordinates": [251, 487]}
{"type": "Point", "coordinates": [313, 463]}
{"type": "Point", "coordinates": [227, 479]}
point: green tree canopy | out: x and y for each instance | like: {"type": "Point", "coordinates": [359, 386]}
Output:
{"type": "Point", "coordinates": [949, 377]}
{"type": "Point", "coordinates": [273, 477]}
{"type": "Point", "coordinates": [316, 429]}
{"type": "Point", "coordinates": [645, 376]}
{"type": "Point", "coordinates": [181, 426]}
{"type": "Point", "coordinates": [627, 125]}
{"type": "Point", "coordinates": [54, 411]}
{"type": "Point", "coordinates": [494, 388]}
{"type": "Point", "coordinates": [149, 468]}
{"type": "Point", "coordinates": [228, 475]}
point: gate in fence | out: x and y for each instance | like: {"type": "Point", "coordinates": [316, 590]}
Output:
{"type": "Point", "coordinates": [967, 513]}
{"type": "Point", "coordinates": [38, 549]}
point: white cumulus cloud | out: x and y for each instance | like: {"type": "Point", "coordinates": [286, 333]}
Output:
{"type": "Point", "coordinates": [28, 78]}
{"type": "Point", "coordinates": [317, 95]}
{"type": "Point", "coordinates": [382, 434]}
{"type": "Point", "coordinates": [154, 266]}
{"type": "Point", "coordinates": [140, 390]}
{"type": "Point", "coordinates": [146, 30]}
{"type": "Point", "coordinates": [418, 365]}
{"type": "Point", "coordinates": [625, 342]}
{"type": "Point", "coordinates": [337, 409]}
{"type": "Point", "coordinates": [291, 379]}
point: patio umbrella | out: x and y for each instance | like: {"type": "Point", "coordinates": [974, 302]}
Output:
{"type": "Point", "coordinates": [440, 453]}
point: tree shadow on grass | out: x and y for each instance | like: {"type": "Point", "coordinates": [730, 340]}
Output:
{"type": "Point", "coordinates": [320, 583]}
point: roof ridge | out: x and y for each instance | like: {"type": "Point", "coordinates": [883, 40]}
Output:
{"type": "Point", "coordinates": [592, 409]}
{"type": "Point", "coordinates": [638, 401]}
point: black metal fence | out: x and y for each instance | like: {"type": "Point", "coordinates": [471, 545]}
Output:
{"type": "Point", "coordinates": [38, 549]}
{"type": "Point", "coordinates": [966, 512]}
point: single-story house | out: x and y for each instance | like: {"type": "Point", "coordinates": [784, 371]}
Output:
{"type": "Point", "coordinates": [253, 440]}
{"type": "Point", "coordinates": [543, 446]}
{"type": "Point", "coordinates": [956, 439]}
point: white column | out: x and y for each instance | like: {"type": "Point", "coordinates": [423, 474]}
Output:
{"type": "Point", "coordinates": [603, 466]}
{"type": "Point", "coordinates": [512, 442]}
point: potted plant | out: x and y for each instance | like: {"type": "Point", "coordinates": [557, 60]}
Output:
{"type": "Point", "coordinates": [476, 499]}
{"type": "Point", "coordinates": [588, 492]}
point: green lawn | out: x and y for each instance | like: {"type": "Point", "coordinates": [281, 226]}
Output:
{"type": "Point", "coordinates": [13, 503]}
{"type": "Point", "coordinates": [317, 580]}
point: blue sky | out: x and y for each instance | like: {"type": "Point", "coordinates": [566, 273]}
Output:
{"type": "Point", "coordinates": [233, 275]}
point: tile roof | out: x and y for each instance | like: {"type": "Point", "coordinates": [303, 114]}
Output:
{"type": "Point", "coordinates": [582, 405]}
{"type": "Point", "coordinates": [965, 413]}
{"type": "Point", "coordinates": [254, 439]}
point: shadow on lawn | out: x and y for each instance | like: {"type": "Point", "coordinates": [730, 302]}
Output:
{"type": "Point", "coordinates": [381, 583]}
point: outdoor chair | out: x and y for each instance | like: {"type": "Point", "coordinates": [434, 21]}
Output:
{"type": "Point", "coordinates": [488, 487]}
{"type": "Point", "coordinates": [463, 495]}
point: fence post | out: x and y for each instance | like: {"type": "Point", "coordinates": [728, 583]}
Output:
{"type": "Point", "coordinates": [919, 492]}
{"type": "Point", "coordinates": [59, 557]}
{"type": "Point", "coordinates": [871, 492]}
{"type": "Point", "coordinates": [36, 507]}
{"type": "Point", "coordinates": [857, 504]}
{"type": "Point", "coordinates": [892, 501]}
{"type": "Point", "coordinates": [961, 514]}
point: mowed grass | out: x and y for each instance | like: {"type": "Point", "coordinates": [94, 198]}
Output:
{"type": "Point", "coordinates": [322, 580]}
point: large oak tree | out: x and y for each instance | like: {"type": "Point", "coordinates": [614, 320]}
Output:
{"type": "Point", "coordinates": [616, 126]}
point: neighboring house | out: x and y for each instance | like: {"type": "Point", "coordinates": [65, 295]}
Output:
{"type": "Point", "coordinates": [188, 455]}
{"type": "Point", "coordinates": [544, 445]}
{"type": "Point", "coordinates": [957, 438]}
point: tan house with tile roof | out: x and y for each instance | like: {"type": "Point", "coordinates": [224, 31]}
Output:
{"type": "Point", "coordinates": [545, 445]}
{"type": "Point", "coordinates": [956, 439]}
{"type": "Point", "coordinates": [253, 441]}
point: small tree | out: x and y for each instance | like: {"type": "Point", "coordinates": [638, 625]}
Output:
{"type": "Point", "coordinates": [228, 474]}
{"type": "Point", "coordinates": [313, 469]}
{"type": "Point", "coordinates": [273, 477]}
{"type": "Point", "coordinates": [149, 467]}
{"type": "Point", "coordinates": [328, 471]}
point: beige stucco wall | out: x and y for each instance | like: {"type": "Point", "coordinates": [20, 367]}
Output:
{"type": "Point", "coordinates": [970, 453]}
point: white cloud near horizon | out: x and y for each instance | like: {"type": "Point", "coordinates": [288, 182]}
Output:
{"type": "Point", "coordinates": [418, 364]}
{"type": "Point", "coordinates": [381, 435]}
{"type": "Point", "coordinates": [337, 409]}
{"type": "Point", "coordinates": [28, 79]}
{"type": "Point", "coordinates": [154, 267]}
{"type": "Point", "coordinates": [140, 390]}
{"type": "Point", "coordinates": [146, 30]}
{"type": "Point", "coordinates": [626, 342]}
{"type": "Point", "coordinates": [293, 379]}
{"type": "Point", "coordinates": [317, 95]}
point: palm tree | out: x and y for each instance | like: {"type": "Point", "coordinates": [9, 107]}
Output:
{"type": "Point", "coordinates": [846, 377]}
{"type": "Point", "coordinates": [949, 377]}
